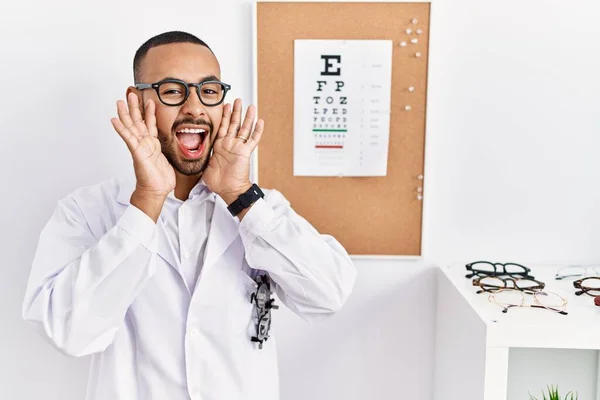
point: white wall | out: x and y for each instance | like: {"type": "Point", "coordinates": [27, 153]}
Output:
{"type": "Point", "coordinates": [511, 168]}
{"type": "Point", "coordinates": [512, 140]}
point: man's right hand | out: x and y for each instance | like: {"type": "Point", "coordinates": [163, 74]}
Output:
{"type": "Point", "coordinates": [154, 175]}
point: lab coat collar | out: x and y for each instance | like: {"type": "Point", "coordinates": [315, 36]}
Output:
{"type": "Point", "coordinates": [199, 191]}
{"type": "Point", "coordinates": [126, 186]}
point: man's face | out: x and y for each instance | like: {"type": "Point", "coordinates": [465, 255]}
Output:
{"type": "Point", "coordinates": [186, 132]}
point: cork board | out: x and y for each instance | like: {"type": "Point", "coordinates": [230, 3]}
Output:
{"type": "Point", "coordinates": [368, 215]}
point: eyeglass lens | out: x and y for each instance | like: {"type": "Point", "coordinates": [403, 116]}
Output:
{"type": "Point", "coordinates": [550, 300]}
{"type": "Point", "coordinates": [514, 268]}
{"type": "Point", "coordinates": [491, 283]}
{"type": "Point", "coordinates": [591, 286]}
{"type": "Point", "coordinates": [174, 93]}
{"type": "Point", "coordinates": [508, 298]}
{"type": "Point", "coordinates": [485, 267]}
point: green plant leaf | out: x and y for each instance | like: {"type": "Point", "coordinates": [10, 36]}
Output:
{"type": "Point", "coordinates": [531, 396]}
{"type": "Point", "coordinates": [552, 393]}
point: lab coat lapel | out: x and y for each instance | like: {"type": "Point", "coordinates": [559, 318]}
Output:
{"type": "Point", "coordinates": [165, 250]}
{"type": "Point", "coordinates": [223, 230]}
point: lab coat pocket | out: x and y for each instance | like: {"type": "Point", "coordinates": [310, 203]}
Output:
{"type": "Point", "coordinates": [241, 314]}
{"type": "Point", "coordinates": [248, 276]}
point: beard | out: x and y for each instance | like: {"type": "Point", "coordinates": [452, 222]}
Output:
{"type": "Point", "coordinates": [170, 149]}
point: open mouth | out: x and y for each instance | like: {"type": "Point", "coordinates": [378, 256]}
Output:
{"type": "Point", "coordinates": [191, 141]}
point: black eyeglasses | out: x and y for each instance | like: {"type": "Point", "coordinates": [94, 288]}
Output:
{"type": "Point", "coordinates": [589, 286]}
{"type": "Point", "coordinates": [175, 92]}
{"type": "Point", "coordinates": [486, 268]}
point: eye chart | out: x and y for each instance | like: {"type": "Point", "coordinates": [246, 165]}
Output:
{"type": "Point", "coordinates": [342, 91]}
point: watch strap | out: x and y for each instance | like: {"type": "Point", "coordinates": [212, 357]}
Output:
{"type": "Point", "coordinates": [245, 200]}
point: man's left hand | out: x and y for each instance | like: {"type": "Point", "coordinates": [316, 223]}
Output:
{"type": "Point", "coordinates": [228, 169]}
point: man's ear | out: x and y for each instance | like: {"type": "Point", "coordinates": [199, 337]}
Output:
{"type": "Point", "coordinates": [133, 90]}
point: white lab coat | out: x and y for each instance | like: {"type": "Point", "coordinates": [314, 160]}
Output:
{"type": "Point", "coordinates": [103, 283]}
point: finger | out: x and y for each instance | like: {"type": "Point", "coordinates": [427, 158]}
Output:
{"type": "Point", "coordinates": [151, 118]}
{"type": "Point", "coordinates": [130, 139]}
{"type": "Point", "coordinates": [225, 121]}
{"type": "Point", "coordinates": [246, 128]}
{"type": "Point", "coordinates": [257, 134]}
{"type": "Point", "coordinates": [124, 117]}
{"type": "Point", "coordinates": [236, 118]}
{"type": "Point", "coordinates": [136, 114]}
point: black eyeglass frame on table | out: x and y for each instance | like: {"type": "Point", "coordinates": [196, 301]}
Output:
{"type": "Point", "coordinates": [522, 273]}
{"type": "Point", "coordinates": [156, 86]}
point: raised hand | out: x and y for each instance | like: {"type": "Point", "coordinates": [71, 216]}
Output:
{"type": "Point", "coordinates": [154, 175]}
{"type": "Point", "coordinates": [228, 170]}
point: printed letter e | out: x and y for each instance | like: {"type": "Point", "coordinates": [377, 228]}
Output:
{"type": "Point", "coordinates": [329, 65]}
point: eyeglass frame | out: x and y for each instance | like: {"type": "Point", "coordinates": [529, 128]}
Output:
{"type": "Point", "coordinates": [198, 86]}
{"type": "Point", "coordinates": [585, 289]}
{"type": "Point", "coordinates": [532, 289]}
{"type": "Point", "coordinates": [505, 307]}
{"type": "Point", "coordinates": [586, 268]}
{"type": "Point", "coordinates": [479, 273]}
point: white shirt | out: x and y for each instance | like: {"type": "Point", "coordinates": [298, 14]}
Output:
{"type": "Point", "coordinates": [187, 224]}
{"type": "Point", "coordinates": [107, 281]}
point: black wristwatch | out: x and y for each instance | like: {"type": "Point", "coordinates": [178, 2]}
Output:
{"type": "Point", "coordinates": [245, 200]}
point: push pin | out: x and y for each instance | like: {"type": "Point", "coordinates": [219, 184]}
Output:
{"type": "Point", "coordinates": [402, 44]}
{"type": "Point", "coordinates": [407, 107]}
{"type": "Point", "coordinates": [419, 31]}
{"type": "Point", "coordinates": [408, 31]}
{"type": "Point", "coordinates": [414, 41]}
{"type": "Point", "coordinates": [417, 54]}
{"type": "Point", "coordinates": [411, 89]}
{"type": "Point", "coordinates": [414, 21]}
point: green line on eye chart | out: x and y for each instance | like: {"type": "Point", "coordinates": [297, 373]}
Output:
{"type": "Point", "coordinates": [330, 130]}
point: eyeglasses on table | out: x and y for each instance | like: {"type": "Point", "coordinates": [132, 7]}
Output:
{"type": "Point", "coordinates": [577, 271]}
{"type": "Point", "coordinates": [487, 268]}
{"type": "Point", "coordinates": [589, 286]}
{"type": "Point", "coordinates": [513, 298]}
{"type": "Point", "coordinates": [495, 283]}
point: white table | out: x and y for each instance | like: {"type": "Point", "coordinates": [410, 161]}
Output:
{"type": "Point", "coordinates": [474, 337]}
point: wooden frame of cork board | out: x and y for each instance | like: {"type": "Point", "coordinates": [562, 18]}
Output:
{"type": "Point", "coordinates": [370, 216]}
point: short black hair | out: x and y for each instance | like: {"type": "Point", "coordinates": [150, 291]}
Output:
{"type": "Point", "coordinates": [163, 38]}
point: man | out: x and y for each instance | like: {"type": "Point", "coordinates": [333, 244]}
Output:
{"type": "Point", "coordinates": [155, 279]}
